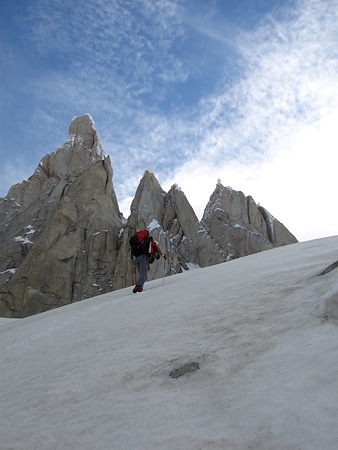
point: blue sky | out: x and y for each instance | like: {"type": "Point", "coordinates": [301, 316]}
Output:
{"type": "Point", "coordinates": [197, 90]}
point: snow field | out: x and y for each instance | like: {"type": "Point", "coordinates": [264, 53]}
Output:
{"type": "Point", "coordinates": [95, 374]}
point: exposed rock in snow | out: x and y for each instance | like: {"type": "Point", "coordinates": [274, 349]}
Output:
{"type": "Point", "coordinates": [330, 268]}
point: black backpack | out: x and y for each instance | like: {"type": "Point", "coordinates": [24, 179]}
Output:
{"type": "Point", "coordinates": [139, 243]}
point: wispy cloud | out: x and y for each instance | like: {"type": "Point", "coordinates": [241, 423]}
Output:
{"type": "Point", "coordinates": [289, 75]}
{"type": "Point", "coordinates": [191, 95]}
{"type": "Point", "coordinates": [130, 40]}
{"type": "Point", "coordinates": [255, 134]}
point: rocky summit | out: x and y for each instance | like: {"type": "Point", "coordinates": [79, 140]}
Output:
{"type": "Point", "coordinates": [63, 238]}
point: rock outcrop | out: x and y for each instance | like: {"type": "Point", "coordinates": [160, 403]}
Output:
{"type": "Point", "coordinates": [240, 226]}
{"type": "Point", "coordinates": [174, 225]}
{"type": "Point", "coordinates": [60, 229]}
{"type": "Point", "coordinates": [63, 238]}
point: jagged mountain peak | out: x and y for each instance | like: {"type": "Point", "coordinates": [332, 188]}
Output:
{"type": "Point", "coordinates": [81, 124]}
{"type": "Point", "coordinates": [148, 201]}
{"type": "Point", "coordinates": [58, 169]}
{"type": "Point", "coordinates": [83, 144]}
{"type": "Point", "coordinates": [81, 150]}
{"type": "Point", "coordinates": [83, 129]}
{"type": "Point", "coordinates": [63, 237]}
{"type": "Point", "coordinates": [240, 226]}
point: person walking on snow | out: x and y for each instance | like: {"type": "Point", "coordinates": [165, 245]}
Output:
{"type": "Point", "coordinates": [151, 252]}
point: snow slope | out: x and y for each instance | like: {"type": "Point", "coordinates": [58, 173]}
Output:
{"type": "Point", "coordinates": [95, 374]}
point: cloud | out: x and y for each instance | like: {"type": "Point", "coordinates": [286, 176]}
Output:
{"type": "Point", "coordinates": [273, 134]}
{"type": "Point", "coordinates": [192, 96]}
{"type": "Point", "coordinates": [130, 40]}
{"type": "Point", "coordinates": [296, 185]}
{"type": "Point", "coordinates": [285, 82]}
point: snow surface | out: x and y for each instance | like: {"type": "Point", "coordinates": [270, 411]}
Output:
{"type": "Point", "coordinates": [95, 374]}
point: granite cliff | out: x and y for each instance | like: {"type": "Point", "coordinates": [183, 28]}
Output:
{"type": "Point", "coordinates": [63, 238]}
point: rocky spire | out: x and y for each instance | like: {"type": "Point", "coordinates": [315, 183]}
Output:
{"type": "Point", "coordinates": [240, 226]}
{"type": "Point", "coordinates": [59, 244]}
{"type": "Point", "coordinates": [57, 170]}
{"type": "Point", "coordinates": [63, 240]}
{"type": "Point", "coordinates": [148, 202]}
{"type": "Point", "coordinates": [191, 241]}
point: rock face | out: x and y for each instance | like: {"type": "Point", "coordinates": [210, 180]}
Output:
{"type": "Point", "coordinates": [241, 227]}
{"type": "Point", "coordinates": [63, 238]}
{"type": "Point", "coordinates": [60, 229]}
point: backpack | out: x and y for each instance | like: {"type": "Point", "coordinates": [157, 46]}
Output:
{"type": "Point", "coordinates": [139, 243]}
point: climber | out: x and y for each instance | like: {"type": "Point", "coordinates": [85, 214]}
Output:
{"type": "Point", "coordinates": [146, 250]}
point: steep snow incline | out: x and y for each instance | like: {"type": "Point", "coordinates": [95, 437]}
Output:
{"type": "Point", "coordinates": [96, 374]}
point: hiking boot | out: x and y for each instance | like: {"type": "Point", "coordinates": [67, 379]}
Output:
{"type": "Point", "coordinates": [137, 288]}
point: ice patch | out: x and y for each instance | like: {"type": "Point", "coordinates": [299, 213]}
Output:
{"type": "Point", "coordinates": [192, 266]}
{"type": "Point", "coordinates": [31, 229]}
{"type": "Point", "coordinates": [23, 240]}
{"type": "Point", "coordinates": [271, 220]}
{"type": "Point", "coordinates": [153, 225]}
{"type": "Point", "coordinates": [8, 271]}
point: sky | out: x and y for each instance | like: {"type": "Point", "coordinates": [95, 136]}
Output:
{"type": "Point", "coordinates": [96, 374]}
{"type": "Point", "coordinates": [243, 92]}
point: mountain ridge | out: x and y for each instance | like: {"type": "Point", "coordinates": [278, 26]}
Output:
{"type": "Point", "coordinates": [64, 238]}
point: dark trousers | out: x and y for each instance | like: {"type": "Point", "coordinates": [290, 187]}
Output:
{"type": "Point", "coordinates": [142, 268]}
